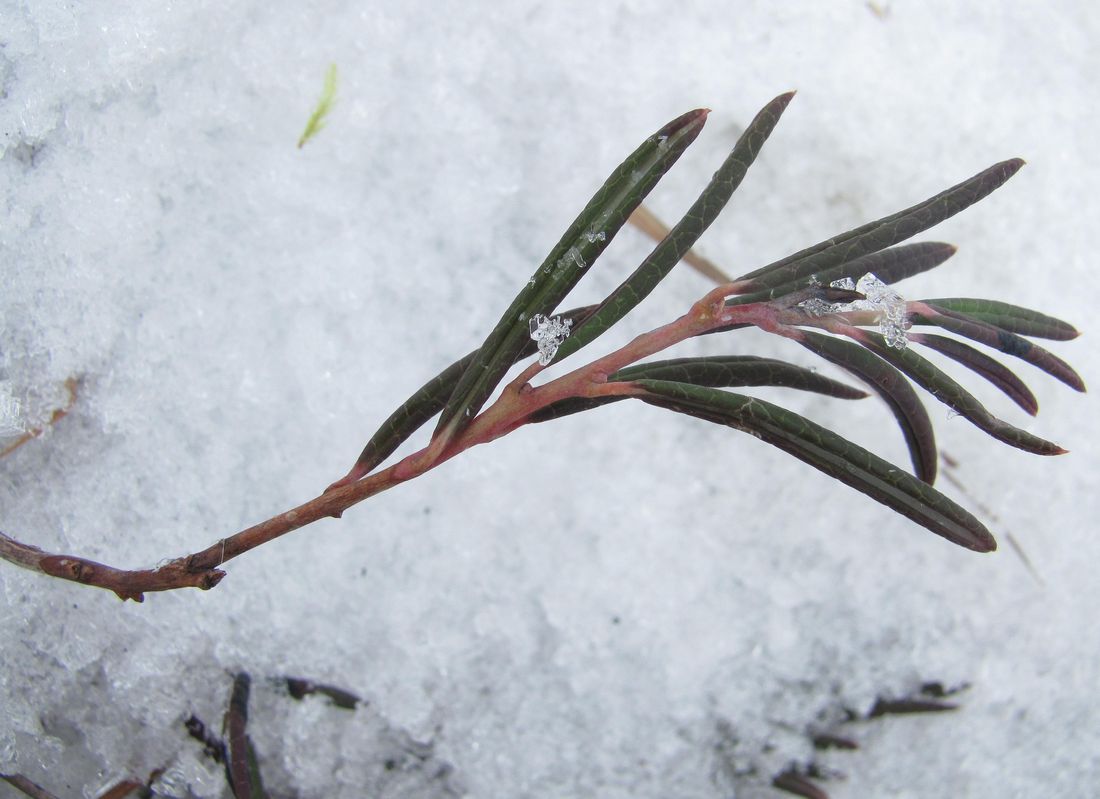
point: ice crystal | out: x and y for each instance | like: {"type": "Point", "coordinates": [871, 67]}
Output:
{"type": "Point", "coordinates": [571, 256]}
{"type": "Point", "coordinates": [893, 319]}
{"type": "Point", "coordinates": [549, 333]}
{"type": "Point", "coordinates": [575, 255]}
{"type": "Point", "coordinates": [815, 306]}
{"type": "Point", "coordinates": [880, 298]}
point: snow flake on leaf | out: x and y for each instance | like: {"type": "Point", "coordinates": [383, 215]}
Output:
{"type": "Point", "coordinates": [549, 333]}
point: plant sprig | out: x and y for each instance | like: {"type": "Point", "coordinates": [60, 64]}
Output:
{"type": "Point", "coordinates": [811, 297]}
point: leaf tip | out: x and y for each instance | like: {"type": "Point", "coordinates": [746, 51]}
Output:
{"type": "Point", "coordinates": [780, 103]}
{"type": "Point", "coordinates": [688, 125]}
{"type": "Point", "coordinates": [695, 117]}
{"type": "Point", "coordinates": [981, 541]}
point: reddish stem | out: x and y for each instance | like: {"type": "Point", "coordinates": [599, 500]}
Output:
{"type": "Point", "coordinates": [515, 406]}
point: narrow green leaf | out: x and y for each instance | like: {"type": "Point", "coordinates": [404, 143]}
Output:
{"type": "Point", "coordinates": [581, 245]}
{"type": "Point", "coordinates": [955, 396]}
{"type": "Point", "coordinates": [1003, 340]}
{"type": "Point", "coordinates": [1013, 318]}
{"type": "Point", "coordinates": [647, 222]}
{"type": "Point", "coordinates": [425, 403]}
{"type": "Point", "coordinates": [880, 234]}
{"type": "Point", "coordinates": [894, 389]}
{"type": "Point", "coordinates": [684, 234]}
{"type": "Point", "coordinates": [829, 453]}
{"type": "Point", "coordinates": [992, 370]}
{"type": "Point", "coordinates": [716, 371]}
{"type": "Point", "coordinates": [890, 266]}
{"type": "Point", "coordinates": [739, 370]}
{"type": "Point", "coordinates": [900, 263]}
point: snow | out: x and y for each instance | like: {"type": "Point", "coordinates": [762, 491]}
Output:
{"type": "Point", "coordinates": [671, 606]}
{"type": "Point", "coordinates": [880, 298]}
{"type": "Point", "coordinates": [549, 333]}
{"type": "Point", "coordinates": [890, 305]}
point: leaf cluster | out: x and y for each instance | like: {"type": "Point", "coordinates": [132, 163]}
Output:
{"type": "Point", "coordinates": [774, 297]}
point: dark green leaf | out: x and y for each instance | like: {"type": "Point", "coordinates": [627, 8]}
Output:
{"type": "Point", "coordinates": [830, 453]}
{"type": "Point", "coordinates": [684, 234]}
{"type": "Point", "coordinates": [955, 396]}
{"type": "Point", "coordinates": [902, 262]}
{"type": "Point", "coordinates": [426, 402]}
{"type": "Point", "coordinates": [1013, 318]}
{"type": "Point", "coordinates": [993, 371]}
{"type": "Point", "coordinates": [716, 371]}
{"type": "Point", "coordinates": [889, 266]}
{"type": "Point", "coordinates": [739, 370]}
{"type": "Point", "coordinates": [878, 235]}
{"type": "Point", "coordinates": [893, 264]}
{"type": "Point", "coordinates": [647, 222]}
{"type": "Point", "coordinates": [581, 245]}
{"type": "Point", "coordinates": [1003, 340]}
{"type": "Point", "coordinates": [894, 389]}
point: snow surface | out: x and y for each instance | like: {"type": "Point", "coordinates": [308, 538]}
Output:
{"type": "Point", "coordinates": [660, 608]}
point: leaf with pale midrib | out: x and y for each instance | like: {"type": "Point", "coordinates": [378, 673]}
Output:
{"type": "Point", "coordinates": [717, 371]}
{"type": "Point", "coordinates": [567, 263]}
{"type": "Point", "coordinates": [895, 390]}
{"type": "Point", "coordinates": [829, 453]}
{"type": "Point", "coordinates": [883, 233]}
{"type": "Point", "coordinates": [673, 247]}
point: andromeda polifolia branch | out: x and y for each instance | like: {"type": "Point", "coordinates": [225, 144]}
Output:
{"type": "Point", "coordinates": [839, 286]}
